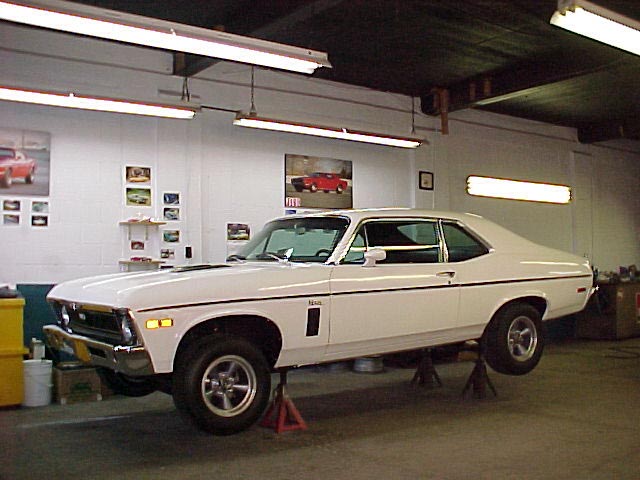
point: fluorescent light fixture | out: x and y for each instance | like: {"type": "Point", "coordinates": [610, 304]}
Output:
{"type": "Point", "coordinates": [518, 190]}
{"type": "Point", "coordinates": [71, 100]}
{"type": "Point", "coordinates": [253, 121]}
{"type": "Point", "coordinates": [139, 30]}
{"type": "Point", "coordinates": [593, 21]}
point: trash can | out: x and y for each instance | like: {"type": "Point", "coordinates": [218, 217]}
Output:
{"type": "Point", "coordinates": [11, 336]}
{"type": "Point", "coordinates": [11, 375]}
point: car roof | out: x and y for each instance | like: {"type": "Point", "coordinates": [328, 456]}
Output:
{"type": "Point", "coordinates": [394, 212]}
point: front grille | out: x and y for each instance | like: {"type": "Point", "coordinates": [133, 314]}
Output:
{"type": "Point", "coordinates": [103, 326]}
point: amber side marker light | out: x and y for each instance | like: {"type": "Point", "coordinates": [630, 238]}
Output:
{"type": "Point", "coordinates": [154, 323]}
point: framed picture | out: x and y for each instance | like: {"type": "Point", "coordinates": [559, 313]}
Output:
{"type": "Point", "coordinates": [238, 231]}
{"type": "Point", "coordinates": [167, 253]}
{"type": "Point", "coordinates": [171, 198]}
{"type": "Point", "coordinates": [29, 153]}
{"type": "Point", "coordinates": [317, 182]}
{"type": "Point", "coordinates": [138, 174]}
{"type": "Point", "coordinates": [137, 245]}
{"type": "Point", "coordinates": [425, 181]}
{"type": "Point", "coordinates": [39, 220]}
{"type": "Point", "coordinates": [11, 205]}
{"type": "Point", "coordinates": [39, 207]}
{"type": "Point", "coordinates": [171, 213]}
{"type": "Point", "coordinates": [11, 219]}
{"type": "Point", "coordinates": [171, 236]}
{"type": "Point", "coordinates": [138, 197]}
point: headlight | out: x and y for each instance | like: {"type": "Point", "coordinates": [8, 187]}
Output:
{"type": "Point", "coordinates": [64, 317]}
{"type": "Point", "coordinates": [126, 326]}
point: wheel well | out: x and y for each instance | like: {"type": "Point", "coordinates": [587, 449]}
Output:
{"type": "Point", "coordinates": [539, 303]}
{"type": "Point", "coordinates": [260, 331]}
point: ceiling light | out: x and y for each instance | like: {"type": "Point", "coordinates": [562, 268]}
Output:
{"type": "Point", "coordinates": [72, 100]}
{"type": "Point", "coordinates": [123, 27]}
{"type": "Point", "coordinates": [593, 21]}
{"type": "Point", "coordinates": [518, 190]}
{"type": "Point", "coordinates": [253, 121]}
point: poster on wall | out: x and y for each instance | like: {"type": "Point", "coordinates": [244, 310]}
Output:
{"type": "Point", "coordinates": [140, 197]}
{"type": "Point", "coordinates": [317, 182]}
{"type": "Point", "coordinates": [140, 175]}
{"type": "Point", "coordinates": [24, 162]}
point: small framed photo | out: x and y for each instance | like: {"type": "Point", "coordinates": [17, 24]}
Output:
{"type": "Point", "coordinates": [11, 205]}
{"type": "Point", "coordinates": [138, 174]}
{"type": "Point", "coordinates": [10, 219]}
{"type": "Point", "coordinates": [137, 245]}
{"type": "Point", "coordinates": [171, 213]}
{"type": "Point", "coordinates": [171, 198]}
{"type": "Point", "coordinates": [39, 207]}
{"type": "Point", "coordinates": [171, 236]}
{"type": "Point", "coordinates": [39, 220]}
{"type": "Point", "coordinates": [138, 197]}
{"type": "Point", "coordinates": [167, 253]}
{"type": "Point", "coordinates": [425, 181]}
{"type": "Point", "coordinates": [238, 231]}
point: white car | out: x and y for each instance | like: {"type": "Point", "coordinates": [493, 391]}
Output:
{"type": "Point", "coordinates": [318, 288]}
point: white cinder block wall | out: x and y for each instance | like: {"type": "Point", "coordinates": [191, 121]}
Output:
{"type": "Point", "coordinates": [227, 174]}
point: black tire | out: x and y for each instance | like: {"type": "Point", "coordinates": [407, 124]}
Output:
{"type": "Point", "coordinates": [30, 177]}
{"type": "Point", "coordinates": [339, 189]}
{"type": "Point", "coordinates": [5, 182]}
{"type": "Point", "coordinates": [298, 189]}
{"type": "Point", "coordinates": [313, 188]}
{"type": "Point", "coordinates": [126, 385]}
{"type": "Point", "coordinates": [222, 384]}
{"type": "Point", "coordinates": [514, 339]}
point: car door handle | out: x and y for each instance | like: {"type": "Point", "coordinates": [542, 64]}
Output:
{"type": "Point", "coordinates": [448, 274]}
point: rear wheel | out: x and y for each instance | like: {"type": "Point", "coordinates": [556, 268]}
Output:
{"type": "Point", "coordinates": [5, 182]}
{"type": "Point", "coordinates": [313, 188]}
{"type": "Point", "coordinates": [514, 340]}
{"type": "Point", "coordinates": [222, 384]}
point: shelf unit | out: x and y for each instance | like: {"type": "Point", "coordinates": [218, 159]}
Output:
{"type": "Point", "coordinates": [147, 233]}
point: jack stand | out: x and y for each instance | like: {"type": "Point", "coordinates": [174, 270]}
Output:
{"type": "Point", "coordinates": [282, 415]}
{"type": "Point", "coordinates": [426, 375]}
{"type": "Point", "coordinates": [479, 380]}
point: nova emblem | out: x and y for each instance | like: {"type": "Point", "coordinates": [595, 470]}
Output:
{"type": "Point", "coordinates": [315, 302]}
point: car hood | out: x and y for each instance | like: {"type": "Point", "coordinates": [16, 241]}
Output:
{"type": "Point", "coordinates": [196, 284]}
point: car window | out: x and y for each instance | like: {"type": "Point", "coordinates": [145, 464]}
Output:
{"type": "Point", "coordinates": [405, 241]}
{"type": "Point", "coordinates": [460, 244]}
{"type": "Point", "coordinates": [298, 239]}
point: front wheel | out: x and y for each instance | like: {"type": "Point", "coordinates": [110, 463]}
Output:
{"type": "Point", "coordinates": [126, 385]}
{"type": "Point", "coordinates": [514, 340]}
{"type": "Point", "coordinates": [5, 182]}
{"type": "Point", "coordinates": [222, 384]}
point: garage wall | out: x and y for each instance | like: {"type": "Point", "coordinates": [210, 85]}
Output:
{"type": "Point", "coordinates": [229, 174]}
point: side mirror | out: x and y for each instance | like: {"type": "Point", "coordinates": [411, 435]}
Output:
{"type": "Point", "coordinates": [374, 255]}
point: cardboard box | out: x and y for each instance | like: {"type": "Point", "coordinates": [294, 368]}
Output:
{"type": "Point", "coordinates": [75, 383]}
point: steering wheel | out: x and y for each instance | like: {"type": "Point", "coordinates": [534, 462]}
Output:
{"type": "Point", "coordinates": [323, 251]}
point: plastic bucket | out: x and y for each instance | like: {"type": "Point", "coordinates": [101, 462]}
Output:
{"type": "Point", "coordinates": [37, 383]}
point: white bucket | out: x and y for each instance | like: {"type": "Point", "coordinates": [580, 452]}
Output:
{"type": "Point", "coordinates": [37, 383]}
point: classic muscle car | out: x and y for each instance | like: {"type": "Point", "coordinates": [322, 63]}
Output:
{"type": "Point", "coordinates": [318, 288]}
{"type": "Point", "coordinates": [327, 182]}
{"type": "Point", "coordinates": [15, 164]}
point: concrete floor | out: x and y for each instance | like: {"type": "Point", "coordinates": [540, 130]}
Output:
{"type": "Point", "coordinates": [577, 416]}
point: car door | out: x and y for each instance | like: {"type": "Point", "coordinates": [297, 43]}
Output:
{"type": "Point", "coordinates": [406, 301]}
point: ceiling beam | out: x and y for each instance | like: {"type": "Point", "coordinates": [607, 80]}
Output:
{"type": "Point", "coordinates": [186, 65]}
{"type": "Point", "coordinates": [628, 128]}
{"type": "Point", "coordinates": [501, 85]}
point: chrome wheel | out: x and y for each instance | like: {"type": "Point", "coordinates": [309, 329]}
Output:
{"type": "Point", "coordinates": [522, 338]}
{"type": "Point", "coordinates": [229, 385]}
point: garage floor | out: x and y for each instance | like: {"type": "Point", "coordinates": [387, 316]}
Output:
{"type": "Point", "coordinates": [577, 416]}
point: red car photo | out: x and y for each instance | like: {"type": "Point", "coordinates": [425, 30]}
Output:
{"type": "Point", "coordinates": [327, 182]}
{"type": "Point", "coordinates": [15, 164]}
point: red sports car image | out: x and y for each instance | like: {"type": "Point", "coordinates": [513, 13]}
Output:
{"type": "Point", "coordinates": [15, 164]}
{"type": "Point", "coordinates": [327, 182]}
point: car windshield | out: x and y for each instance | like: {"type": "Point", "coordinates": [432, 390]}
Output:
{"type": "Point", "coordinates": [6, 152]}
{"type": "Point", "coordinates": [310, 239]}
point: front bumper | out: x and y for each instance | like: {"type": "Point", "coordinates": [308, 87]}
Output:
{"type": "Point", "coordinates": [132, 361]}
